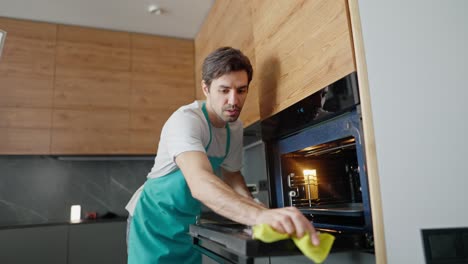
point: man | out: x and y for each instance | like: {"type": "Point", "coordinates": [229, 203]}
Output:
{"type": "Point", "coordinates": [196, 140]}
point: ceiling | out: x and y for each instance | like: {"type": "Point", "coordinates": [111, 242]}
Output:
{"type": "Point", "coordinates": [179, 18]}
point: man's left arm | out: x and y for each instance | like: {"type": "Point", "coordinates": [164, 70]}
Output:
{"type": "Point", "coordinates": [237, 182]}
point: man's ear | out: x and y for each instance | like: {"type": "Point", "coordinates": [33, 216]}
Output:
{"type": "Point", "coordinates": [205, 88]}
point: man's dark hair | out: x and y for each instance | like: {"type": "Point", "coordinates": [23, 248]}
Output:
{"type": "Point", "coordinates": [225, 60]}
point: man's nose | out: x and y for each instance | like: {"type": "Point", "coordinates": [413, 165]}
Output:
{"type": "Point", "coordinates": [233, 98]}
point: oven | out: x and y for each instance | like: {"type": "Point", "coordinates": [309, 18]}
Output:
{"type": "Point", "coordinates": [315, 162]}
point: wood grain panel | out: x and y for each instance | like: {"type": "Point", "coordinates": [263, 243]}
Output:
{"type": "Point", "coordinates": [162, 81]}
{"type": "Point", "coordinates": [88, 88]}
{"type": "Point", "coordinates": [300, 47]}
{"type": "Point", "coordinates": [92, 92]}
{"type": "Point", "coordinates": [39, 118]}
{"type": "Point", "coordinates": [90, 132]}
{"type": "Point", "coordinates": [369, 136]}
{"type": "Point", "coordinates": [93, 68]}
{"type": "Point", "coordinates": [229, 23]}
{"type": "Point", "coordinates": [27, 64]}
{"type": "Point", "coordinates": [145, 129]}
{"type": "Point", "coordinates": [25, 130]}
{"type": "Point", "coordinates": [162, 72]}
{"type": "Point", "coordinates": [24, 141]}
{"type": "Point", "coordinates": [79, 47]}
{"type": "Point", "coordinates": [144, 141]}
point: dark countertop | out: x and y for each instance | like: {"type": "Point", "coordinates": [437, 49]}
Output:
{"type": "Point", "coordinates": [80, 222]}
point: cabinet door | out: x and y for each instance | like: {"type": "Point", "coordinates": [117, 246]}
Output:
{"type": "Point", "coordinates": [162, 81]}
{"type": "Point", "coordinates": [26, 84]}
{"type": "Point", "coordinates": [97, 243]}
{"type": "Point", "coordinates": [83, 131]}
{"type": "Point", "coordinates": [350, 257]}
{"type": "Point", "coordinates": [300, 47]}
{"type": "Point", "coordinates": [46, 244]}
{"type": "Point", "coordinates": [92, 90]}
{"type": "Point", "coordinates": [229, 23]}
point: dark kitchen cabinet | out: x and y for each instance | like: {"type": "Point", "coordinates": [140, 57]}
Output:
{"type": "Point", "coordinates": [351, 257]}
{"type": "Point", "coordinates": [91, 243]}
{"type": "Point", "coordinates": [97, 243]}
{"type": "Point", "coordinates": [45, 244]}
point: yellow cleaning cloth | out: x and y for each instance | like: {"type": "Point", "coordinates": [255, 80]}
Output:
{"type": "Point", "coordinates": [318, 254]}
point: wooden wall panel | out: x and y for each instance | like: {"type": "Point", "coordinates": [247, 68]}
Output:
{"type": "Point", "coordinates": [229, 23]}
{"type": "Point", "coordinates": [91, 88]}
{"type": "Point", "coordinates": [79, 47]}
{"type": "Point", "coordinates": [26, 85]}
{"type": "Point", "coordinates": [93, 68]}
{"type": "Point", "coordinates": [25, 130]}
{"type": "Point", "coordinates": [145, 129]}
{"type": "Point", "coordinates": [162, 71]}
{"type": "Point", "coordinates": [75, 90]}
{"type": "Point", "coordinates": [90, 132]}
{"type": "Point", "coordinates": [27, 64]}
{"type": "Point", "coordinates": [16, 141]}
{"type": "Point", "coordinates": [300, 47]}
{"type": "Point", "coordinates": [92, 91]}
{"type": "Point", "coordinates": [25, 117]}
{"type": "Point", "coordinates": [162, 80]}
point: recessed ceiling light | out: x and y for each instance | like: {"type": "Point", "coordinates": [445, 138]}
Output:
{"type": "Point", "coordinates": [154, 9]}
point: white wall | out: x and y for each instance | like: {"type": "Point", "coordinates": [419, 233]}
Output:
{"type": "Point", "coordinates": [417, 58]}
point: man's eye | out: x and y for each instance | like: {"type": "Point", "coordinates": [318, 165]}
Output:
{"type": "Point", "coordinates": [225, 91]}
{"type": "Point", "coordinates": [242, 91]}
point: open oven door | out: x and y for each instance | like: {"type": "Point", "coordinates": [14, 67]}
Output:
{"type": "Point", "coordinates": [230, 242]}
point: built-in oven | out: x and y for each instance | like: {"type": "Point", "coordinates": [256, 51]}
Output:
{"type": "Point", "coordinates": [316, 163]}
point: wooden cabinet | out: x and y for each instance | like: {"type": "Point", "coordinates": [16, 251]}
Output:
{"type": "Point", "coordinates": [92, 89]}
{"type": "Point", "coordinates": [68, 90]}
{"type": "Point", "coordinates": [300, 47]}
{"type": "Point", "coordinates": [26, 86]}
{"type": "Point", "coordinates": [162, 80]}
{"type": "Point", "coordinates": [297, 47]}
{"type": "Point", "coordinates": [229, 23]}
{"type": "Point", "coordinates": [91, 92]}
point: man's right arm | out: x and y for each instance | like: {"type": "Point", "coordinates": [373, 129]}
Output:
{"type": "Point", "coordinates": [206, 187]}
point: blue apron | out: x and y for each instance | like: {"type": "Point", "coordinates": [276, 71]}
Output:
{"type": "Point", "coordinates": [164, 211]}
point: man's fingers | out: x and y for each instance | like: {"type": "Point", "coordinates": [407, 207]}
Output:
{"type": "Point", "coordinates": [291, 221]}
{"type": "Point", "coordinates": [314, 238]}
{"type": "Point", "coordinates": [278, 227]}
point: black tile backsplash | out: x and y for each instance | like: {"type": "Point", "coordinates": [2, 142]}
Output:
{"type": "Point", "coordinates": [41, 189]}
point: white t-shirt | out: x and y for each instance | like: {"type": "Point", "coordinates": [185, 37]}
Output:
{"type": "Point", "coordinates": [187, 130]}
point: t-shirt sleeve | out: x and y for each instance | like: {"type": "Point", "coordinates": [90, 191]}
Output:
{"type": "Point", "coordinates": [183, 132]}
{"type": "Point", "coordinates": [233, 161]}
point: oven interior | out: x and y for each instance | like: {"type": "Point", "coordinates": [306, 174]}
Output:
{"type": "Point", "coordinates": [323, 182]}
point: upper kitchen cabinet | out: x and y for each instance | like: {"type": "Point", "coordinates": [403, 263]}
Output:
{"type": "Point", "coordinates": [92, 91]}
{"type": "Point", "coordinates": [300, 47]}
{"type": "Point", "coordinates": [229, 23]}
{"type": "Point", "coordinates": [296, 48]}
{"type": "Point", "coordinates": [69, 90]}
{"type": "Point", "coordinates": [26, 86]}
{"type": "Point", "coordinates": [162, 80]}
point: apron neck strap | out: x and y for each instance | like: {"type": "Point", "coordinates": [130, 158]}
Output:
{"type": "Point", "coordinates": [228, 131]}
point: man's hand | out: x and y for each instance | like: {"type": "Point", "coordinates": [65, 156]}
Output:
{"type": "Point", "coordinates": [221, 198]}
{"type": "Point", "coordinates": [288, 220]}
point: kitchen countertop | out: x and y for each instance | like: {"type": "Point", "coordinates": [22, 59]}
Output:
{"type": "Point", "coordinates": [80, 222]}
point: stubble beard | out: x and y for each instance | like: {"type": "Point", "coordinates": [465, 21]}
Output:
{"type": "Point", "coordinates": [231, 118]}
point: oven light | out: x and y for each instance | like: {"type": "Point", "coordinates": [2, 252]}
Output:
{"type": "Point", "coordinates": [310, 173]}
{"type": "Point", "coordinates": [310, 178]}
